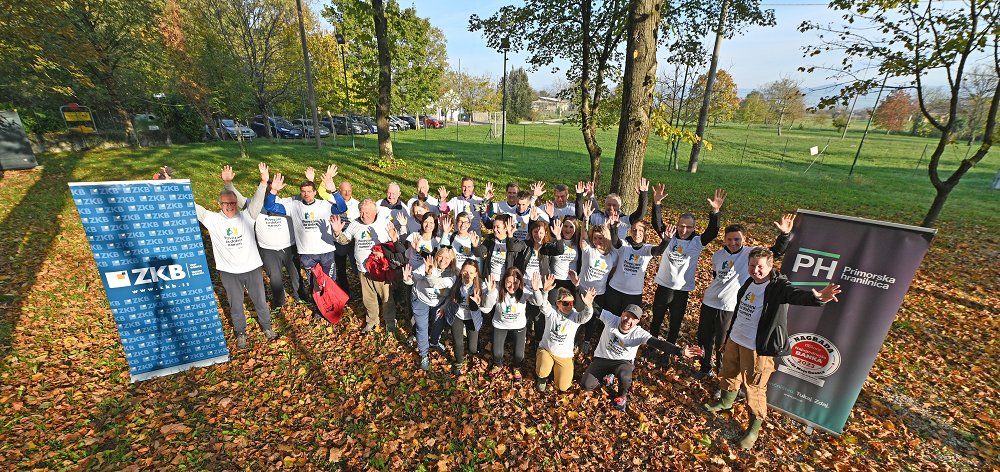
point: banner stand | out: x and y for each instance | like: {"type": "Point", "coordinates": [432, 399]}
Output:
{"type": "Point", "coordinates": [809, 425]}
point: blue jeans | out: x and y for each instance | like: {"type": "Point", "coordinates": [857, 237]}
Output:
{"type": "Point", "coordinates": [324, 260]}
{"type": "Point", "coordinates": [421, 322]}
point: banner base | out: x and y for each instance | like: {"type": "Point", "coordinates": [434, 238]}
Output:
{"type": "Point", "coordinates": [179, 368]}
{"type": "Point", "coordinates": [809, 424]}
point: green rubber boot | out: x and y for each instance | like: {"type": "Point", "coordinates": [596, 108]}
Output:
{"type": "Point", "coordinates": [725, 403]}
{"type": "Point", "coordinates": [748, 439]}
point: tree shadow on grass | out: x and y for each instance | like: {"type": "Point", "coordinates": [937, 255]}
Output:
{"type": "Point", "coordinates": [26, 237]}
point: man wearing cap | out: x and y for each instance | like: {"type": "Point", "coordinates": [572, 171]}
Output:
{"type": "Point", "coordinates": [615, 353]}
{"type": "Point", "coordinates": [758, 333]}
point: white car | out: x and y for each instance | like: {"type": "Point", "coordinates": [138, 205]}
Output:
{"type": "Point", "coordinates": [230, 129]}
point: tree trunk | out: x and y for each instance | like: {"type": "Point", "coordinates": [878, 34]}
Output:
{"type": "Point", "coordinates": [781, 115]}
{"type": "Point", "coordinates": [384, 82]}
{"type": "Point", "coordinates": [588, 108]}
{"type": "Point", "coordinates": [311, 91]}
{"type": "Point", "coordinates": [638, 82]}
{"type": "Point", "coordinates": [939, 199]}
{"type": "Point", "coordinates": [709, 83]}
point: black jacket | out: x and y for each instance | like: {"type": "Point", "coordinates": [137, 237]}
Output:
{"type": "Point", "coordinates": [772, 331]}
{"type": "Point", "coordinates": [517, 253]}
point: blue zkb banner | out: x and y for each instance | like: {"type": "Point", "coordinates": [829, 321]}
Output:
{"type": "Point", "coordinates": [148, 248]}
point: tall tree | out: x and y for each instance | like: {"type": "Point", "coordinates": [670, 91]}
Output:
{"type": "Point", "coordinates": [914, 41]}
{"type": "Point", "coordinates": [784, 101]}
{"type": "Point", "coordinates": [895, 112]}
{"type": "Point", "coordinates": [753, 109]}
{"type": "Point", "coordinates": [585, 33]}
{"type": "Point", "coordinates": [732, 14]}
{"type": "Point", "coordinates": [182, 59]}
{"type": "Point", "coordinates": [637, 98]}
{"type": "Point", "coordinates": [724, 101]}
{"type": "Point", "coordinates": [261, 35]}
{"type": "Point", "coordinates": [519, 96]}
{"type": "Point", "coordinates": [976, 93]}
{"type": "Point", "coordinates": [384, 82]}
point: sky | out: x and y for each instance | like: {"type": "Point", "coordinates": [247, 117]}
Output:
{"type": "Point", "coordinates": [758, 56]}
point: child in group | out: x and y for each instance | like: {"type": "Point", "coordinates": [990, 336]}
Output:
{"type": "Point", "coordinates": [462, 311]}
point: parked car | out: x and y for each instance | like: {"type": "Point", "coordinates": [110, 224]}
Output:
{"type": "Point", "coordinates": [401, 124]}
{"type": "Point", "coordinates": [339, 126]}
{"type": "Point", "coordinates": [431, 122]}
{"type": "Point", "coordinates": [370, 121]}
{"type": "Point", "coordinates": [280, 127]}
{"type": "Point", "coordinates": [412, 121]}
{"type": "Point", "coordinates": [230, 129]}
{"type": "Point", "coordinates": [307, 127]}
{"type": "Point", "coordinates": [360, 121]}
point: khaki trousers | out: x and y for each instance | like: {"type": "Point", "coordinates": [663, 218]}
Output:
{"type": "Point", "coordinates": [375, 296]}
{"type": "Point", "coordinates": [742, 366]}
{"type": "Point", "coordinates": [545, 363]}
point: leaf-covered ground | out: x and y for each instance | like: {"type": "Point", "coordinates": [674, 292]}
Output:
{"type": "Point", "coordinates": [325, 397]}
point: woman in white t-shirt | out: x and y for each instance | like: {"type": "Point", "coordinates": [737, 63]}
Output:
{"type": "Point", "coordinates": [511, 301]}
{"type": "Point", "coordinates": [597, 259]}
{"type": "Point", "coordinates": [555, 351]}
{"type": "Point", "coordinates": [634, 255]}
{"type": "Point", "coordinates": [569, 260]}
{"type": "Point", "coordinates": [461, 311]}
{"type": "Point", "coordinates": [431, 282]}
{"type": "Point", "coordinates": [423, 242]}
{"type": "Point", "coordinates": [463, 240]}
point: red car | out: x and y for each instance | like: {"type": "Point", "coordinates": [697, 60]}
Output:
{"type": "Point", "coordinates": [431, 122]}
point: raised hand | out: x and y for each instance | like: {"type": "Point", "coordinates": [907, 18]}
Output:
{"type": "Point", "coordinates": [557, 226]}
{"type": "Point", "coordinates": [336, 223]}
{"type": "Point", "coordinates": [533, 215]}
{"type": "Point", "coordinates": [488, 191]}
{"type": "Point", "coordinates": [550, 209]}
{"type": "Point", "coordinates": [428, 264]}
{"type": "Point", "coordinates": [391, 229]}
{"type": "Point", "coordinates": [536, 281]}
{"type": "Point", "coordinates": [659, 193]}
{"type": "Point", "coordinates": [407, 272]}
{"type": "Point", "coordinates": [491, 282]}
{"type": "Point", "coordinates": [643, 185]}
{"type": "Point", "coordinates": [669, 230]}
{"type": "Point", "coordinates": [446, 224]}
{"type": "Point", "coordinates": [574, 278]}
{"type": "Point", "coordinates": [477, 295]}
{"type": "Point", "coordinates": [828, 293]}
{"type": "Point", "coordinates": [538, 189]}
{"type": "Point", "coordinates": [785, 225]}
{"type": "Point", "coordinates": [580, 187]}
{"type": "Point", "coordinates": [443, 193]}
{"type": "Point", "coordinates": [550, 283]}
{"type": "Point", "coordinates": [589, 188]}
{"type": "Point", "coordinates": [613, 218]}
{"type": "Point", "coordinates": [474, 237]}
{"type": "Point", "coordinates": [588, 209]}
{"type": "Point", "coordinates": [227, 174]}
{"type": "Point", "coordinates": [589, 296]}
{"type": "Point", "coordinates": [265, 174]}
{"type": "Point", "coordinates": [310, 174]}
{"type": "Point", "coordinates": [328, 182]}
{"type": "Point", "coordinates": [331, 170]}
{"type": "Point", "coordinates": [277, 183]}
{"type": "Point", "coordinates": [716, 203]}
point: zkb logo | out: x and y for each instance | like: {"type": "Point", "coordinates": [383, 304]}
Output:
{"type": "Point", "coordinates": [145, 275]}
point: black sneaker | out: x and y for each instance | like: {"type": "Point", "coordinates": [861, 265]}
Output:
{"type": "Point", "coordinates": [703, 375]}
{"type": "Point", "coordinates": [456, 369]}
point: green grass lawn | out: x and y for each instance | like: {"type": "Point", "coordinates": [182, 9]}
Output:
{"type": "Point", "coordinates": [329, 398]}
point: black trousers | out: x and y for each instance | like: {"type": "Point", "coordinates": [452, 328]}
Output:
{"type": "Point", "coordinates": [274, 261]}
{"type": "Point", "coordinates": [668, 300]}
{"type": "Point", "coordinates": [601, 367]}
{"type": "Point", "coordinates": [617, 301]}
{"type": "Point", "coordinates": [712, 326]}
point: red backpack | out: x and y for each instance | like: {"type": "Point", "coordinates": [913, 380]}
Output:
{"type": "Point", "coordinates": [384, 262]}
{"type": "Point", "coordinates": [329, 297]}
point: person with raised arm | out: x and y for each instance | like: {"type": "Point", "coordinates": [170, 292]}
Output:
{"type": "Point", "coordinates": [367, 231]}
{"type": "Point", "coordinates": [461, 310]}
{"type": "Point", "coordinates": [435, 205]}
{"type": "Point", "coordinates": [344, 255]}
{"type": "Point", "coordinates": [555, 351]}
{"type": "Point", "coordinates": [614, 357]}
{"type": "Point", "coordinates": [612, 204]}
{"type": "Point", "coordinates": [543, 246]}
{"type": "Point", "coordinates": [758, 334]}
{"type": "Point", "coordinates": [598, 258]}
{"type": "Point", "coordinates": [431, 283]}
{"type": "Point", "coordinates": [510, 301]}
{"type": "Point", "coordinates": [462, 240]}
{"type": "Point", "coordinates": [234, 249]}
{"type": "Point", "coordinates": [729, 272]}
{"type": "Point", "coordinates": [468, 202]}
{"type": "Point", "coordinates": [675, 277]}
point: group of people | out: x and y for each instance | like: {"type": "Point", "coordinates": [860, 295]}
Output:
{"type": "Point", "coordinates": [534, 274]}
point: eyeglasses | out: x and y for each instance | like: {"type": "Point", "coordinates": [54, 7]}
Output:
{"type": "Point", "coordinates": [227, 203]}
{"type": "Point", "coordinates": [565, 302]}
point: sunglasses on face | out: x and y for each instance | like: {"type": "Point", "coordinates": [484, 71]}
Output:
{"type": "Point", "coordinates": [565, 302]}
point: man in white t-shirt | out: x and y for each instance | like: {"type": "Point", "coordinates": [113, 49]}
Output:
{"type": "Point", "coordinates": [367, 231]}
{"type": "Point", "coordinates": [423, 195]}
{"type": "Point", "coordinates": [758, 334]}
{"type": "Point", "coordinates": [615, 353]}
{"type": "Point", "coordinates": [561, 202]}
{"type": "Point", "coordinates": [468, 202]}
{"type": "Point", "coordinates": [234, 248]}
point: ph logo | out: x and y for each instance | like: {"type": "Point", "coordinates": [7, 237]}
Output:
{"type": "Point", "coordinates": [823, 264]}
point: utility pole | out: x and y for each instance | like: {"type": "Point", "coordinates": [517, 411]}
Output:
{"type": "Point", "coordinates": [309, 76]}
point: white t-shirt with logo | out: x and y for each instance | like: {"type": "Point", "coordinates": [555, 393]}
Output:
{"type": "Point", "coordinates": [616, 345]}
{"type": "Point", "coordinates": [273, 232]}
{"type": "Point", "coordinates": [498, 259]}
{"type": "Point", "coordinates": [562, 264]}
{"type": "Point", "coordinates": [431, 290]}
{"type": "Point", "coordinates": [731, 270]}
{"type": "Point", "coordinates": [520, 224]}
{"type": "Point", "coordinates": [461, 204]}
{"type": "Point", "coordinates": [311, 225]}
{"type": "Point", "coordinates": [510, 311]}
{"type": "Point", "coordinates": [630, 272]}
{"type": "Point", "coordinates": [747, 316]}
{"type": "Point", "coordinates": [462, 246]}
{"type": "Point", "coordinates": [678, 264]}
{"type": "Point", "coordinates": [234, 245]}
{"type": "Point", "coordinates": [365, 238]}
{"type": "Point", "coordinates": [530, 268]}
{"type": "Point", "coordinates": [426, 246]}
{"type": "Point", "coordinates": [595, 268]}
{"type": "Point", "coordinates": [560, 330]}
{"type": "Point", "coordinates": [463, 312]}
{"type": "Point", "coordinates": [432, 204]}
